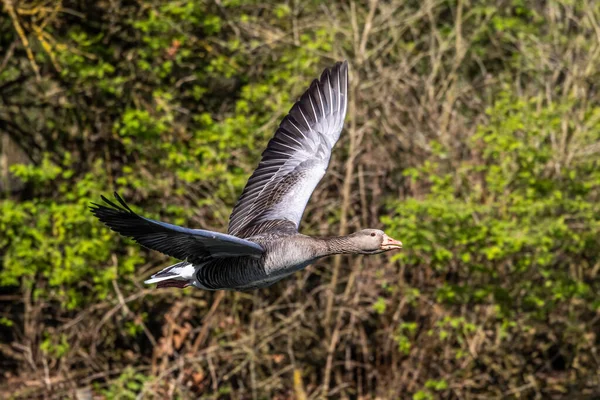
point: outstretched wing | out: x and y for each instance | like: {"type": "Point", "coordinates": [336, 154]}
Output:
{"type": "Point", "coordinates": [192, 245]}
{"type": "Point", "coordinates": [295, 159]}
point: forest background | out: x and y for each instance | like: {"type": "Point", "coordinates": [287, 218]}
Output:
{"type": "Point", "coordinates": [473, 135]}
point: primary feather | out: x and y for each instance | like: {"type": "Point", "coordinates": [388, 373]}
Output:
{"type": "Point", "coordinates": [193, 245]}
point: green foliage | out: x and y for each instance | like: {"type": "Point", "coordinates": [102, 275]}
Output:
{"type": "Point", "coordinates": [503, 215]}
{"type": "Point", "coordinates": [55, 346]}
{"type": "Point", "coordinates": [431, 386]}
{"type": "Point", "coordinates": [379, 306]}
{"type": "Point", "coordinates": [513, 228]}
{"type": "Point", "coordinates": [53, 235]}
{"type": "Point", "coordinates": [406, 332]}
{"type": "Point", "coordinates": [127, 386]}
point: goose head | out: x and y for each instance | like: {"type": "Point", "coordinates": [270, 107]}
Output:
{"type": "Point", "coordinates": [373, 241]}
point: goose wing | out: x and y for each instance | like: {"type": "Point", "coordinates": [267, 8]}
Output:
{"type": "Point", "coordinates": [192, 245]}
{"type": "Point", "coordinates": [295, 159]}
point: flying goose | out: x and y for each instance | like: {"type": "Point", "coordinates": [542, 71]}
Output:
{"type": "Point", "coordinates": [263, 244]}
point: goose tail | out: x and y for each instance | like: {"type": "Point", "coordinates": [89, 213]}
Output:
{"type": "Point", "coordinates": [177, 275]}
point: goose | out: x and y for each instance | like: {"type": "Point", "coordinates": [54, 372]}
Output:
{"type": "Point", "coordinates": [262, 244]}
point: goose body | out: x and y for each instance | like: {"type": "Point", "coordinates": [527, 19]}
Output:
{"type": "Point", "coordinates": [283, 256]}
{"type": "Point", "coordinates": [263, 244]}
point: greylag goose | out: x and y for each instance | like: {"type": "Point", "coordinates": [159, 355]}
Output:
{"type": "Point", "coordinates": [263, 244]}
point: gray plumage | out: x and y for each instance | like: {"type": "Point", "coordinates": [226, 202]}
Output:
{"type": "Point", "coordinates": [263, 244]}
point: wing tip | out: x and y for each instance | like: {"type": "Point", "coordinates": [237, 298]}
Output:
{"type": "Point", "coordinates": [122, 207]}
{"type": "Point", "coordinates": [339, 66]}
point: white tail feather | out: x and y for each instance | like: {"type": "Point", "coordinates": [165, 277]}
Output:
{"type": "Point", "coordinates": [181, 271]}
{"type": "Point", "coordinates": [161, 278]}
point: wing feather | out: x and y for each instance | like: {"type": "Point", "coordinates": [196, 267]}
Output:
{"type": "Point", "coordinates": [193, 245]}
{"type": "Point", "coordinates": [295, 159]}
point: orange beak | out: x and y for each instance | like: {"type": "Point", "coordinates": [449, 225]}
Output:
{"type": "Point", "coordinates": [390, 244]}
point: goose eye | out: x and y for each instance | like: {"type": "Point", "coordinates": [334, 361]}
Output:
{"type": "Point", "coordinates": [372, 233]}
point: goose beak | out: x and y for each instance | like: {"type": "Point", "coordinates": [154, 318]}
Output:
{"type": "Point", "coordinates": [390, 244]}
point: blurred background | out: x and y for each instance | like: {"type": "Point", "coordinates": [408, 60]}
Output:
{"type": "Point", "coordinates": [473, 135]}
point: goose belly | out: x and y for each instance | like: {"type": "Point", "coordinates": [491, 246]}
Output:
{"type": "Point", "coordinates": [244, 273]}
{"type": "Point", "coordinates": [274, 276]}
{"type": "Point", "coordinates": [229, 273]}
